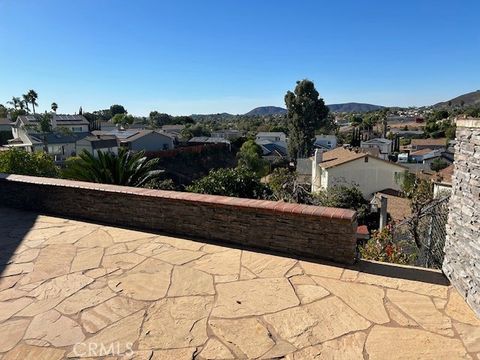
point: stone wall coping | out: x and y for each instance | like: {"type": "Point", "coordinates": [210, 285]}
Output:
{"type": "Point", "coordinates": [468, 123]}
{"type": "Point", "coordinates": [333, 214]}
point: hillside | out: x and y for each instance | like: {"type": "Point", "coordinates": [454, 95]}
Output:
{"type": "Point", "coordinates": [354, 107]}
{"type": "Point", "coordinates": [266, 110]}
{"type": "Point", "coordinates": [469, 99]}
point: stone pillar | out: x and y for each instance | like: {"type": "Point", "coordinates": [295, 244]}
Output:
{"type": "Point", "coordinates": [462, 247]}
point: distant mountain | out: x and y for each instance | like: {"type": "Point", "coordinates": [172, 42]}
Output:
{"type": "Point", "coordinates": [469, 99]}
{"type": "Point", "coordinates": [266, 110]}
{"type": "Point", "coordinates": [354, 107]}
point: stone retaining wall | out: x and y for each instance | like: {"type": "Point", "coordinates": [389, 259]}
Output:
{"type": "Point", "coordinates": [462, 247]}
{"type": "Point", "coordinates": [304, 230]}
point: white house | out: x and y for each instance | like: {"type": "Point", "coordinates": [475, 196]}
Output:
{"type": "Point", "coordinates": [346, 167]}
{"type": "Point", "coordinates": [73, 123]}
{"type": "Point", "coordinates": [273, 137]}
{"type": "Point", "coordinates": [325, 142]}
{"type": "Point", "coordinates": [384, 146]}
{"type": "Point", "coordinates": [95, 143]}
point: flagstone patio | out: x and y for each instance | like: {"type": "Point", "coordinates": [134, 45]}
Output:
{"type": "Point", "coordinates": [71, 289]}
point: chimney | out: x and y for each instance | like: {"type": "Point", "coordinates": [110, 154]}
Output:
{"type": "Point", "coordinates": [318, 156]}
{"type": "Point", "coordinates": [383, 212]}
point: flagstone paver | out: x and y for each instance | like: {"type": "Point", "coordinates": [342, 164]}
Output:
{"type": "Point", "coordinates": [70, 289]}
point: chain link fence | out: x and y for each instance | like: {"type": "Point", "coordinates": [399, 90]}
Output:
{"type": "Point", "coordinates": [424, 234]}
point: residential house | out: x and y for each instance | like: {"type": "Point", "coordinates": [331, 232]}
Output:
{"type": "Point", "coordinates": [95, 143]}
{"type": "Point", "coordinates": [274, 137]}
{"type": "Point", "coordinates": [273, 144]}
{"type": "Point", "coordinates": [442, 183]}
{"type": "Point", "coordinates": [6, 125]}
{"type": "Point", "coordinates": [434, 144]}
{"type": "Point", "coordinates": [28, 135]}
{"type": "Point", "coordinates": [421, 156]}
{"type": "Point", "coordinates": [229, 134]}
{"type": "Point", "coordinates": [398, 206]}
{"type": "Point", "coordinates": [71, 123]}
{"type": "Point", "coordinates": [342, 166]}
{"type": "Point", "coordinates": [141, 140]}
{"type": "Point", "coordinates": [327, 142]}
{"type": "Point", "coordinates": [383, 145]}
{"type": "Point", "coordinates": [174, 130]}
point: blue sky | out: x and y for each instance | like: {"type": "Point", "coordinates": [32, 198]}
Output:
{"type": "Point", "coordinates": [205, 56]}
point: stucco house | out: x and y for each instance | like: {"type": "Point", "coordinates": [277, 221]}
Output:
{"type": "Point", "coordinates": [327, 142]}
{"type": "Point", "coordinates": [95, 143]}
{"type": "Point", "coordinates": [384, 146]}
{"type": "Point", "coordinates": [342, 166]}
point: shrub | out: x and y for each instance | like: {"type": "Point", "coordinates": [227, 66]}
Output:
{"type": "Point", "coordinates": [21, 162]}
{"type": "Point", "coordinates": [381, 247]}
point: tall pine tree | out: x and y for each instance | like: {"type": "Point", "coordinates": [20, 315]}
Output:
{"type": "Point", "coordinates": [306, 113]}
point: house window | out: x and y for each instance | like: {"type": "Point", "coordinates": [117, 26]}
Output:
{"type": "Point", "coordinates": [77, 128]}
{"type": "Point", "coordinates": [366, 159]}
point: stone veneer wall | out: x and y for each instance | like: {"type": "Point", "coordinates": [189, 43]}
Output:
{"type": "Point", "coordinates": [462, 247]}
{"type": "Point", "coordinates": [311, 231]}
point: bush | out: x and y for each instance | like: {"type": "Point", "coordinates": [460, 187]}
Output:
{"type": "Point", "coordinates": [381, 247]}
{"type": "Point", "coordinates": [238, 182]}
{"type": "Point", "coordinates": [21, 162]}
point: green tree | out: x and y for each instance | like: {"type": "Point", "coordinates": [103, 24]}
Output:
{"type": "Point", "coordinates": [250, 157]}
{"type": "Point", "coordinates": [15, 102]}
{"type": "Point", "coordinates": [3, 111]}
{"type": "Point", "coordinates": [238, 182]}
{"type": "Point", "coordinates": [117, 109]}
{"type": "Point", "coordinates": [45, 123]}
{"type": "Point", "coordinates": [345, 197]}
{"type": "Point", "coordinates": [123, 119]}
{"type": "Point", "coordinates": [159, 119]}
{"type": "Point", "coordinates": [306, 111]}
{"type": "Point", "coordinates": [126, 168]}
{"type": "Point", "coordinates": [193, 131]}
{"type": "Point", "coordinates": [438, 164]}
{"type": "Point", "coordinates": [16, 161]}
{"type": "Point", "coordinates": [54, 107]}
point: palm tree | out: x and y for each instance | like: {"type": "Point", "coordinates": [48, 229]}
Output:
{"type": "Point", "coordinates": [54, 107]}
{"type": "Point", "coordinates": [26, 101]}
{"type": "Point", "coordinates": [126, 168]}
{"type": "Point", "coordinates": [15, 102]}
{"type": "Point", "coordinates": [33, 96]}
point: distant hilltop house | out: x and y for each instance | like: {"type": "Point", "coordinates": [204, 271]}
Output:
{"type": "Point", "coordinates": [273, 144]}
{"type": "Point", "coordinates": [342, 166]}
{"type": "Point", "coordinates": [383, 145]}
{"type": "Point", "coordinates": [327, 142]}
{"type": "Point", "coordinates": [141, 140]}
